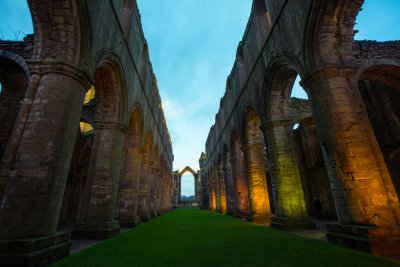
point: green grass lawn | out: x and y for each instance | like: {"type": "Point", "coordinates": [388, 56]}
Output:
{"type": "Point", "coordinates": [193, 237]}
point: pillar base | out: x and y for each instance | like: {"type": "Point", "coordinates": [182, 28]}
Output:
{"type": "Point", "coordinates": [39, 251]}
{"type": "Point", "coordinates": [99, 230]}
{"type": "Point", "coordinates": [371, 239]}
{"type": "Point", "coordinates": [292, 224]}
{"type": "Point", "coordinates": [263, 220]}
{"type": "Point", "coordinates": [145, 217]}
{"type": "Point", "coordinates": [129, 222]}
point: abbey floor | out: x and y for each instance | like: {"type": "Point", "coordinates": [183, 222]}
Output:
{"type": "Point", "coordinates": [193, 237]}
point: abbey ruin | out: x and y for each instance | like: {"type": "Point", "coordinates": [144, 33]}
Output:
{"type": "Point", "coordinates": [343, 152]}
{"type": "Point", "coordinates": [85, 148]}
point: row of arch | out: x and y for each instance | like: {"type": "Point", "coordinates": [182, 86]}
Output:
{"type": "Point", "coordinates": [259, 168]}
{"type": "Point", "coordinates": [84, 141]}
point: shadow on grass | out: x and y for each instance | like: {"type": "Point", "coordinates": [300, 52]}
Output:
{"type": "Point", "coordinates": [193, 237]}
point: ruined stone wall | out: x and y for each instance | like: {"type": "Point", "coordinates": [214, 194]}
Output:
{"type": "Point", "coordinates": [85, 180]}
{"type": "Point", "coordinates": [315, 40]}
{"type": "Point", "coordinates": [383, 106]}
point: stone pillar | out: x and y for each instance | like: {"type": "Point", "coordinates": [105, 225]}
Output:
{"type": "Point", "coordinates": [153, 191]}
{"type": "Point", "coordinates": [260, 209]}
{"type": "Point", "coordinates": [240, 187]}
{"type": "Point", "coordinates": [33, 190]}
{"type": "Point", "coordinates": [129, 188]}
{"type": "Point", "coordinates": [103, 180]}
{"type": "Point", "coordinates": [216, 189]}
{"type": "Point", "coordinates": [144, 190]}
{"type": "Point", "coordinates": [213, 202]}
{"type": "Point", "coordinates": [222, 191]}
{"type": "Point", "coordinates": [288, 195]}
{"type": "Point", "coordinates": [159, 187]}
{"type": "Point", "coordinates": [229, 188]}
{"type": "Point", "coordinates": [365, 199]}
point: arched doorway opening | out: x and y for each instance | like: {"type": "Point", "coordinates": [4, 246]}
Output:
{"type": "Point", "coordinates": [187, 187]}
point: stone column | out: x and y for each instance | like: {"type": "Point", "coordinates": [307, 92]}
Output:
{"type": "Point", "coordinates": [103, 180]}
{"type": "Point", "coordinates": [222, 191]}
{"type": "Point", "coordinates": [153, 191]}
{"type": "Point", "coordinates": [129, 188]}
{"type": "Point", "coordinates": [241, 190]}
{"type": "Point", "coordinates": [366, 202]}
{"type": "Point", "coordinates": [160, 188]}
{"type": "Point", "coordinates": [33, 191]}
{"type": "Point", "coordinates": [144, 190]}
{"type": "Point", "coordinates": [217, 191]}
{"type": "Point", "coordinates": [288, 195]}
{"type": "Point", "coordinates": [260, 209]}
{"type": "Point", "coordinates": [229, 187]}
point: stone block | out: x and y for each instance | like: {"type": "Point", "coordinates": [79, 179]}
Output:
{"type": "Point", "coordinates": [371, 239]}
{"type": "Point", "coordinates": [292, 224]}
{"type": "Point", "coordinates": [99, 230]}
{"type": "Point", "coordinates": [38, 251]}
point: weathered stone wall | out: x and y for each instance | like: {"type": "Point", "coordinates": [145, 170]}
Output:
{"type": "Point", "coordinates": [49, 173]}
{"type": "Point", "coordinates": [313, 39]}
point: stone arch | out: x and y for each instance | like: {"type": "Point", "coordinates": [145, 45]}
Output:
{"type": "Point", "coordinates": [388, 74]}
{"type": "Point", "coordinates": [195, 177]}
{"type": "Point", "coordinates": [14, 79]}
{"type": "Point", "coordinates": [239, 174]}
{"type": "Point", "coordinates": [330, 31]}
{"type": "Point", "coordinates": [380, 91]}
{"type": "Point", "coordinates": [61, 31]}
{"type": "Point", "coordinates": [288, 194]}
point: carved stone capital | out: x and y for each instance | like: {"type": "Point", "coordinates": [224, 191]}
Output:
{"type": "Point", "coordinates": [111, 125]}
{"type": "Point", "coordinates": [327, 72]}
{"type": "Point", "coordinates": [58, 67]}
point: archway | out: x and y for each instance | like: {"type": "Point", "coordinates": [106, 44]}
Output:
{"type": "Point", "coordinates": [181, 174]}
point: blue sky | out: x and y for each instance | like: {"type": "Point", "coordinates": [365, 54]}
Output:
{"type": "Point", "coordinates": [192, 47]}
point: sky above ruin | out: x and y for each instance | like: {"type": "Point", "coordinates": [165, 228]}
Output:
{"type": "Point", "coordinates": [192, 46]}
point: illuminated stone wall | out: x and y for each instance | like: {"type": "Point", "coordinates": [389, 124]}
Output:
{"type": "Point", "coordinates": [315, 41]}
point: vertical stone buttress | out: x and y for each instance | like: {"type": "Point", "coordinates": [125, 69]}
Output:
{"type": "Point", "coordinates": [103, 180]}
{"type": "Point", "coordinates": [288, 195]}
{"type": "Point", "coordinates": [257, 183]}
{"type": "Point", "coordinates": [362, 189]}
{"type": "Point", "coordinates": [205, 203]}
{"type": "Point", "coordinates": [129, 188]}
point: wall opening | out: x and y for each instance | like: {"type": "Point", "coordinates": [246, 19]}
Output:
{"type": "Point", "coordinates": [187, 187]}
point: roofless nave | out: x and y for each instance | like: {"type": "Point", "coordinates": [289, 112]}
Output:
{"type": "Point", "coordinates": [84, 142]}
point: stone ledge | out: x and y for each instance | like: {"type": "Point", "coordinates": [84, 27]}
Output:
{"type": "Point", "coordinates": [38, 251]}
{"type": "Point", "coordinates": [292, 224]}
{"type": "Point", "coordinates": [100, 230]}
{"type": "Point", "coordinates": [371, 239]}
